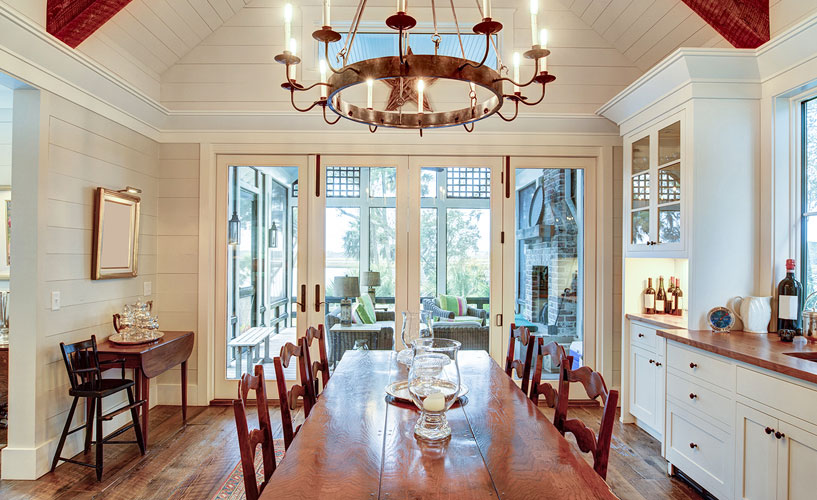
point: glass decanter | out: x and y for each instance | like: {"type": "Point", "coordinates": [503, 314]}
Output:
{"type": "Point", "coordinates": [434, 385]}
{"type": "Point", "coordinates": [415, 326]}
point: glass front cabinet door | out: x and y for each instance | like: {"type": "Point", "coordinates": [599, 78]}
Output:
{"type": "Point", "coordinates": [654, 189]}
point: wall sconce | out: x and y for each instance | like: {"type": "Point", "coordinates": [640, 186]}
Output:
{"type": "Point", "coordinates": [130, 190]}
{"type": "Point", "coordinates": [272, 236]}
{"type": "Point", "coordinates": [234, 230]}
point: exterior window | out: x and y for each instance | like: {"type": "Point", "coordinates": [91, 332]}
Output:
{"type": "Point", "coordinates": [343, 182]}
{"type": "Point", "coordinates": [468, 183]}
{"type": "Point", "coordinates": [809, 197]}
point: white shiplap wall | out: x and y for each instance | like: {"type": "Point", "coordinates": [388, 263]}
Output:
{"type": "Point", "coordinates": [233, 68]}
{"type": "Point", "coordinates": [618, 198]}
{"type": "Point", "coordinates": [85, 151]}
{"type": "Point", "coordinates": [177, 266]}
{"type": "Point", "coordinates": [6, 103]}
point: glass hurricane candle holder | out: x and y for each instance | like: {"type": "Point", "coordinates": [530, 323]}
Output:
{"type": "Point", "coordinates": [434, 385]}
{"type": "Point", "coordinates": [415, 326]}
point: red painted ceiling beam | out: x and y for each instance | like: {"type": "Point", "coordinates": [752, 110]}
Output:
{"type": "Point", "coordinates": [744, 23]}
{"type": "Point", "coordinates": [72, 21]}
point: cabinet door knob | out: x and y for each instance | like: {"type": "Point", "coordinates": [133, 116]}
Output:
{"type": "Point", "coordinates": [652, 361]}
{"type": "Point", "coordinates": [657, 363]}
{"type": "Point", "coordinates": [640, 335]}
{"type": "Point", "coordinates": [779, 435]}
{"type": "Point", "coordinates": [693, 445]}
{"type": "Point", "coordinates": [693, 365]}
{"type": "Point", "coordinates": [692, 395]}
{"type": "Point", "coordinates": [769, 430]}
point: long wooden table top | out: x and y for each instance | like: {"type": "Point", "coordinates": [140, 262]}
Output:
{"type": "Point", "coordinates": [355, 445]}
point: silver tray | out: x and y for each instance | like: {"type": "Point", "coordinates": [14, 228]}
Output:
{"type": "Point", "coordinates": [399, 391]}
{"type": "Point", "coordinates": [117, 338]}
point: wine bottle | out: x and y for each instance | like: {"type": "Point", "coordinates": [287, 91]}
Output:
{"type": "Point", "coordinates": [678, 302]}
{"type": "Point", "coordinates": [670, 303]}
{"type": "Point", "coordinates": [649, 298]}
{"type": "Point", "coordinates": [790, 301]}
{"type": "Point", "coordinates": [660, 297]}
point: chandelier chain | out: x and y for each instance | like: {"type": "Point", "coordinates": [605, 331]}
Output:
{"type": "Point", "coordinates": [350, 38]}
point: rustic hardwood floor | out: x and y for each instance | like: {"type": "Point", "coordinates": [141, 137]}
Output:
{"type": "Point", "coordinates": [192, 462]}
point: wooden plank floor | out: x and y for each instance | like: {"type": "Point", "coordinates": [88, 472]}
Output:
{"type": "Point", "coordinates": [193, 462]}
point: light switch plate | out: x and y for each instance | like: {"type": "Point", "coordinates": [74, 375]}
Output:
{"type": "Point", "coordinates": [55, 301]}
{"type": "Point", "coordinates": [148, 288]}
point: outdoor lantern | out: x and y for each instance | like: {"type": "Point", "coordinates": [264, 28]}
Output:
{"type": "Point", "coordinates": [272, 236]}
{"type": "Point", "coordinates": [345, 287]}
{"type": "Point", "coordinates": [234, 230]}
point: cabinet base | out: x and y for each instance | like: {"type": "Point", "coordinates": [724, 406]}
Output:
{"type": "Point", "coordinates": [679, 474]}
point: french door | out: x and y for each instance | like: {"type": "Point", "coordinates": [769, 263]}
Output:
{"type": "Point", "coordinates": [299, 237]}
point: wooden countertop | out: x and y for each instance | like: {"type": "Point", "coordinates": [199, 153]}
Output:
{"type": "Point", "coordinates": [660, 320]}
{"type": "Point", "coordinates": [760, 349]}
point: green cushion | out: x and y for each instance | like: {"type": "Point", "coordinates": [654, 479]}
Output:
{"type": "Point", "coordinates": [453, 304]}
{"type": "Point", "coordinates": [360, 309]}
{"type": "Point", "coordinates": [366, 301]}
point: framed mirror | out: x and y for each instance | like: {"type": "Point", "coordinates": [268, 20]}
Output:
{"type": "Point", "coordinates": [116, 235]}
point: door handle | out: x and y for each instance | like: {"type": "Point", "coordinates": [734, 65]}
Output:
{"type": "Point", "coordinates": [302, 303]}
{"type": "Point", "coordinates": [498, 320]}
{"type": "Point", "coordinates": [318, 300]}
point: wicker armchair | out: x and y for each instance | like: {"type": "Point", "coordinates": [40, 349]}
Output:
{"type": "Point", "coordinates": [433, 306]}
{"type": "Point", "coordinates": [471, 337]}
{"type": "Point", "coordinates": [340, 342]}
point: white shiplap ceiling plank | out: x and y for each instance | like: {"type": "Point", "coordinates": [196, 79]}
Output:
{"type": "Point", "coordinates": [627, 18]}
{"type": "Point", "coordinates": [207, 12]}
{"type": "Point", "coordinates": [236, 5]}
{"type": "Point", "coordinates": [657, 34]}
{"type": "Point", "coordinates": [172, 19]}
{"type": "Point", "coordinates": [594, 10]}
{"type": "Point", "coordinates": [222, 8]}
{"type": "Point", "coordinates": [610, 14]}
{"type": "Point", "coordinates": [142, 35]}
{"type": "Point", "coordinates": [678, 37]}
{"type": "Point", "coordinates": [192, 17]}
{"type": "Point", "coordinates": [644, 23]}
{"type": "Point", "coordinates": [131, 45]}
{"type": "Point", "coordinates": [580, 6]}
{"type": "Point", "coordinates": [157, 26]}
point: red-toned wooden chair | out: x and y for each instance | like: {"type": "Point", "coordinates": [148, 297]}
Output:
{"type": "Point", "coordinates": [588, 441]}
{"type": "Point", "coordinates": [249, 439]}
{"type": "Point", "coordinates": [289, 398]}
{"type": "Point", "coordinates": [321, 366]}
{"type": "Point", "coordinates": [557, 357]}
{"type": "Point", "coordinates": [521, 335]}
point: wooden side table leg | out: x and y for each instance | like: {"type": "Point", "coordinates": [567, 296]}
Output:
{"type": "Point", "coordinates": [146, 409]}
{"type": "Point", "coordinates": [184, 391]}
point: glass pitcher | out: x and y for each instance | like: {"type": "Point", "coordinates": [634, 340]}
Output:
{"type": "Point", "coordinates": [415, 326]}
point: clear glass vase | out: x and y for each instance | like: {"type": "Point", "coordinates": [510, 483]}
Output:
{"type": "Point", "coordinates": [434, 385]}
{"type": "Point", "coordinates": [415, 326]}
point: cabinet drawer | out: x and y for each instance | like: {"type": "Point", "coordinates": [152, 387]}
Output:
{"type": "Point", "coordinates": [701, 365]}
{"type": "Point", "coordinates": [643, 336]}
{"type": "Point", "coordinates": [700, 450]}
{"type": "Point", "coordinates": [779, 394]}
{"type": "Point", "coordinates": [700, 398]}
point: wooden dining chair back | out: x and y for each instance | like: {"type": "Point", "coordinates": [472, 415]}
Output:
{"type": "Point", "coordinates": [557, 356]}
{"type": "Point", "coordinates": [249, 439]}
{"type": "Point", "coordinates": [588, 441]}
{"type": "Point", "coordinates": [522, 366]}
{"type": "Point", "coordinates": [289, 398]}
{"type": "Point", "coordinates": [318, 367]}
{"type": "Point", "coordinates": [85, 376]}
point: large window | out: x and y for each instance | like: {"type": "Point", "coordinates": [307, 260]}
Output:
{"type": "Point", "coordinates": [809, 197]}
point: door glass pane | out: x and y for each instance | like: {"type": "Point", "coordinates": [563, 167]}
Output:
{"type": "Point", "coordinates": [640, 227]}
{"type": "Point", "coordinates": [550, 258]}
{"type": "Point", "coordinates": [669, 184]}
{"type": "Point", "coordinates": [455, 237]}
{"type": "Point", "coordinates": [641, 190]}
{"type": "Point", "coordinates": [360, 240]}
{"type": "Point", "coordinates": [641, 155]}
{"type": "Point", "coordinates": [262, 273]}
{"type": "Point", "coordinates": [669, 223]}
{"type": "Point", "coordinates": [669, 143]}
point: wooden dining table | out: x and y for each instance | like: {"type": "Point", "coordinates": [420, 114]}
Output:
{"type": "Point", "coordinates": [355, 444]}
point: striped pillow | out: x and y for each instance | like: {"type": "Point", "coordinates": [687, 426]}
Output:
{"type": "Point", "coordinates": [454, 304]}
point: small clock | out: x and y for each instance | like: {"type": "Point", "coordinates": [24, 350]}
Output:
{"type": "Point", "coordinates": [721, 319]}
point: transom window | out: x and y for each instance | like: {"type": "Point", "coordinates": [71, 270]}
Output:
{"type": "Point", "coordinates": [808, 267]}
{"type": "Point", "coordinates": [343, 182]}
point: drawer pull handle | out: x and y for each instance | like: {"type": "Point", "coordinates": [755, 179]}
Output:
{"type": "Point", "coordinates": [692, 395]}
{"type": "Point", "coordinates": [657, 363]}
{"type": "Point", "coordinates": [769, 430]}
{"type": "Point", "coordinates": [693, 445]}
{"type": "Point", "coordinates": [640, 335]}
{"type": "Point", "coordinates": [652, 361]}
{"type": "Point", "coordinates": [693, 365]}
{"type": "Point", "coordinates": [779, 435]}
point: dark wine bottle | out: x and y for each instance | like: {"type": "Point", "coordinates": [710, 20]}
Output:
{"type": "Point", "coordinates": [670, 303]}
{"type": "Point", "coordinates": [790, 301]}
{"type": "Point", "coordinates": [660, 297]}
{"type": "Point", "coordinates": [649, 298]}
{"type": "Point", "coordinates": [678, 300]}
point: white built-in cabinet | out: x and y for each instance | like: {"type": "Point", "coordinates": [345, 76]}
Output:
{"type": "Point", "coordinates": [647, 378]}
{"type": "Point", "coordinates": [655, 188]}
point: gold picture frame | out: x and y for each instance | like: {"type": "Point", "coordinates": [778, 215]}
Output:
{"type": "Point", "coordinates": [116, 235]}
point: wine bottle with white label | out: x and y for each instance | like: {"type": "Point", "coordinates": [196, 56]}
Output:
{"type": "Point", "coordinates": [790, 302]}
{"type": "Point", "coordinates": [660, 297]}
{"type": "Point", "coordinates": [649, 298]}
{"type": "Point", "coordinates": [678, 299]}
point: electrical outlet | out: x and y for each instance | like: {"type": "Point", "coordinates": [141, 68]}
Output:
{"type": "Point", "coordinates": [55, 301]}
{"type": "Point", "coordinates": [147, 288]}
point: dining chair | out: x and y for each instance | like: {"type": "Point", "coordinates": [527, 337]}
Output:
{"type": "Point", "coordinates": [557, 357]}
{"type": "Point", "coordinates": [588, 441]}
{"type": "Point", "coordinates": [321, 366]}
{"type": "Point", "coordinates": [249, 439]}
{"type": "Point", "coordinates": [289, 398]}
{"type": "Point", "coordinates": [523, 337]}
{"type": "Point", "coordinates": [85, 375]}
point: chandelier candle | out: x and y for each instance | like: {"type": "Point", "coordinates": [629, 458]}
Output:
{"type": "Point", "coordinates": [421, 86]}
{"type": "Point", "coordinates": [543, 42]}
{"type": "Point", "coordinates": [293, 49]}
{"type": "Point", "coordinates": [369, 86]}
{"type": "Point", "coordinates": [322, 67]}
{"type": "Point", "coordinates": [287, 24]}
{"type": "Point", "coordinates": [486, 9]}
{"type": "Point", "coordinates": [516, 60]}
{"type": "Point", "coordinates": [534, 14]}
{"type": "Point", "coordinates": [401, 5]}
{"type": "Point", "coordinates": [326, 18]}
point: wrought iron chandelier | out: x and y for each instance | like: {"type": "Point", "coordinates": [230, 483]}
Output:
{"type": "Point", "coordinates": [405, 67]}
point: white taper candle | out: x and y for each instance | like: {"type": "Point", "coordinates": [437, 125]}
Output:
{"type": "Point", "coordinates": [516, 60]}
{"type": "Point", "coordinates": [543, 41]}
{"type": "Point", "coordinates": [421, 86]}
{"type": "Point", "coordinates": [287, 24]}
{"type": "Point", "coordinates": [324, 88]}
{"type": "Point", "coordinates": [534, 15]}
{"type": "Point", "coordinates": [293, 49]}
{"type": "Point", "coordinates": [369, 88]}
{"type": "Point", "coordinates": [486, 8]}
{"type": "Point", "coordinates": [327, 20]}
